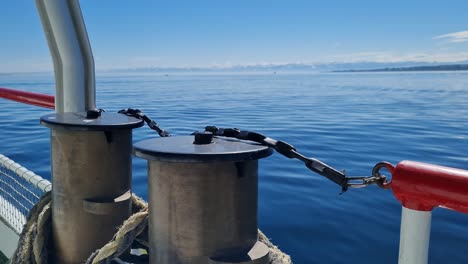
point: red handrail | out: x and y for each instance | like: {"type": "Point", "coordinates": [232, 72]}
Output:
{"type": "Point", "coordinates": [421, 186]}
{"type": "Point", "coordinates": [37, 99]}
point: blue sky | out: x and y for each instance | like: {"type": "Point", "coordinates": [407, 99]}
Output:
{"type": "Point", "coordinates": [149, 33]}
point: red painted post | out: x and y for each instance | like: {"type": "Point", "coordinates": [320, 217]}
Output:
{"type": "Point", "coordinates": [37, 99]}
{"type": "Point", "coordinates": [421, 187]}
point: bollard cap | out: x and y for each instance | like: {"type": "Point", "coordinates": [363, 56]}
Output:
{"type": "Point", "coordinates": [83, 122]}
{"type": "Point", "coordinates": [183, 149]}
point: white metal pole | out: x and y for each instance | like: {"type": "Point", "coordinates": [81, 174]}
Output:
{"type": "Point", "coordinates": [71, 53]}
{"type": "Point", "coordinates": [414, 236]}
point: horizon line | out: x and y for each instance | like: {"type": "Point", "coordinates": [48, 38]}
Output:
{"type": "Point", "coordinates": [313, 67]}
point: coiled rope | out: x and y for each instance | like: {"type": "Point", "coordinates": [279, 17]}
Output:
{"type": "Point", "coordinates": [34, 243]}
{"type": "Point", "coordinates": [130, 231]}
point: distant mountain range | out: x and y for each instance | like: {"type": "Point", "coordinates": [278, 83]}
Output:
{"type": "Point", "coordinates": [310, 67]}
{"type": "Point", "coordinates": [448, 67]}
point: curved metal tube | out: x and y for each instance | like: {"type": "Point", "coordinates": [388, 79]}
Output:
{"type": "Point", "coordinates": [71, 53]}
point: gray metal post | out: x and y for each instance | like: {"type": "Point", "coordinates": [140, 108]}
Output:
{"type": "Point", "coordinates": [71, 53]}
{"type": "Point", "coordinates": [91, 180]}
{"type": "Point", "coordinates": [414, 236]}
{"type": "Point", "coordinates": [203, 201]}
{"type": "Point", "coordinates": [91, 155]}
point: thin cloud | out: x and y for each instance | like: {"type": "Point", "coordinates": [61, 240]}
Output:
{"type": "Point", "coordinates": [392, 57]}
{"type": "Point", "coordinates": [455, 37]}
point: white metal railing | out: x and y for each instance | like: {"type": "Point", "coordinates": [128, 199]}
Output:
{"type": "Point", "coordinates": [71, 53]}
{"type": "Point", "coordinates": [421, 187]}
{"type": "Point", "coordinates": [20, 189]}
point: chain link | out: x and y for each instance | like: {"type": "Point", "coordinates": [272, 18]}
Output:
{"type": "Point", "coordinates": [287, 150]}
{"type": "Point", "coordinates": [140, 115]}
{"type": "Point", "coordinates": [312, 164]}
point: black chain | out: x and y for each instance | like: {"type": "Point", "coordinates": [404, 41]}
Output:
{"type": "Point", "coordinates": [286, 150]}
{"type": "Point", "coordinates": [140, 115]}
{"type": "Point", "coordinates": [314, 165]}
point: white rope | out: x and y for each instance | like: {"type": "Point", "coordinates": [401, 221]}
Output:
{"type": "Point", "coordinates": [125, 236]}
{"type": "Point", "coordinates": [33, 242]}
{"type": "Point", "coordinates": [33, 246]}
{"type": "Point", "coordinates": [134, 227]}
{"type": "Point", "coordinates": [276, 256]}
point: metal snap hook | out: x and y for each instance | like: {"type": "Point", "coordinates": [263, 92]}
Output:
{"type": "Point", "coordinates": [383, 182]}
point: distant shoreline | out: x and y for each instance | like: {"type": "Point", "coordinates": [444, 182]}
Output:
{"type": "Point", "coordinates": [279, 69]}
{"type": "Point", "coordinates": [452, 67]}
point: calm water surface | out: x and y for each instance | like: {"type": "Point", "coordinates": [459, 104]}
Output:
{"type": "Point", "coordinates": [350, 121]}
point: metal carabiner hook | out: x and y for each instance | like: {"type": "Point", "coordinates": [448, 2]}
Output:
{"type": "Point", "coordinates": [383, 182]}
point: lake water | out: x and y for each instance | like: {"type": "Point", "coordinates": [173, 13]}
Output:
{"type": "Point", "coordinates": [348, 120]}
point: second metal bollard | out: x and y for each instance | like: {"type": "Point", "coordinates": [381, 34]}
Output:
{"type": "Point", "coordinates": [203, 200]}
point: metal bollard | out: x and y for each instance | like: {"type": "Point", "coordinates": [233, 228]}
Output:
{"type": "Point", "coordinates": [203, 200]}
{"type": "Point", "coordinates": [91, 179]}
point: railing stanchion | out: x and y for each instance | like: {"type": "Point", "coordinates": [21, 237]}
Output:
{"type": "Point", "coordinates": [414, 236]}
{"type": "Point", "coordinates": [71, 53]}
{"type": "Point", "coordinates": [421, 187]}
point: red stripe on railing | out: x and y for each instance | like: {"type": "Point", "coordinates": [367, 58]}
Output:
{"type": "Point", "coordinates": [37, 99]}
